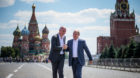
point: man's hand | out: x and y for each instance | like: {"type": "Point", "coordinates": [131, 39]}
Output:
{"type": "Point", "coordinates": [65, 46]}
{"type": "Point", "coordinates": [49, 60]}
{"type": "Point", "coordinates": [91, 62]}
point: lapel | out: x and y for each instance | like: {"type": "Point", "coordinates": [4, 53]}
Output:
{"type": "Point", "coordinates": [72, 46]}
{"type": "Point", "coordinates": [64, 39]}
{"type": "Point", "coordinates": [58, 42]}
{"type": "Point", "coordinates": [78, 47]}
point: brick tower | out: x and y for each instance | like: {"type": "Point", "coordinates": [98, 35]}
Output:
{"type": "Point", "coordinates": [122, 23]}
{"type": "Point", "coordinates": [122, 27]}
{"type": "Point", "coordinates": [33, 28]}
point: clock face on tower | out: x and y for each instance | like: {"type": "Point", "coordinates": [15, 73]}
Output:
{"type": "Point", "coordinates": [123, 6]}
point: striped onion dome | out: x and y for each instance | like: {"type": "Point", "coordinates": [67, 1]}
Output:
{"type": "Point", "coordinates": [17, 32]}
{"type": "Point", "coordinates": [25, 31]}
{"type": "Point", "coordinates": [45, 30]}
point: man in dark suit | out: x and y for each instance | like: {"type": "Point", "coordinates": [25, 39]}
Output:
{"type": "Point", "coordinates": [57, 55]}
{"type": "Point", "coordinates": [76, 49]}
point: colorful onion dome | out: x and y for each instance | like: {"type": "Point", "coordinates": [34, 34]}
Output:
{"type": "Point", "coordinates": [45, 30]}
{"type": "Point", "coordinates": [25, 31]}
{"type": "Point", "coordinates": [37, 38]}
{"type": "Point", "coordinates": [17, 32]}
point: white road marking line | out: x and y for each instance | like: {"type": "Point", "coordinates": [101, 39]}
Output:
{"type": "Point", "coordinates": [18, 68]}
{"type": "Point", "coordinates": [10, 75]}
{"type": "Point", "coordinates": [15, 70]}
{"type": "Point", "coordinates": [47, 68]}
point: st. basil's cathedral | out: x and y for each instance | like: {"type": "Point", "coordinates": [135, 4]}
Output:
{"type": "Point", "coordinates": [31, 45]}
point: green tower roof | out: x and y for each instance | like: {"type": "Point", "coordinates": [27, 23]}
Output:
{"type": "Point", "coordinates": [17, 32]}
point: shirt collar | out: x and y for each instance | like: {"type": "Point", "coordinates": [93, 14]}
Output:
{"type": "Point", "coordinates": [60, 37]}
{"type": "Point", "coordinates": [75, 40]}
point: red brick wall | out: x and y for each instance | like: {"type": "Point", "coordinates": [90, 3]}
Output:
{"type": "Point", "coordinates": [121, 32]}
{"type": "Point", "coordinates": [103, 41]}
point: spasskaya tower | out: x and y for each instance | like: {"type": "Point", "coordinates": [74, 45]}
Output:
{"type": "Point", "coordinates": [122, 27]}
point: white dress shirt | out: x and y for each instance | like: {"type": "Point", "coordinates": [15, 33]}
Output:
{"type": "Point", "coordinates": [61, 40]}
{"type": "Point", "coordinates": [75, 48]}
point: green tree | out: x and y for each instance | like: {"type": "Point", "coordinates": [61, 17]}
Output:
{"type": "Point", "coordinates": [131, 49]}
{"type": "Point", "coordinates": [137, 51]}
{"type": "Point", "coordinates": [12, 53]}
{"type": "Point", "coordinates": [111, 52]}
{"type": "Point", "coordinates": [125, 49]}
{"type": "Point", "coordinates": [104, 54]}
{"type": "Point", "coordinates": [119, 53]}
{"type": "Point", "coordinates": [116, 52]}
{"type": "Point", "coordinates": [3, 51]}
{"type": "Point", "coordinates": [17, 52]}
{"type": "Point", "coordinates": [9, 52]}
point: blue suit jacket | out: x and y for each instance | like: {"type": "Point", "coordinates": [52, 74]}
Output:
{"type": "Point", "coordinates": [81, 47]}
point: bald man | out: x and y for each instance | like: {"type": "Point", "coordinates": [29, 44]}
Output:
{"type": "Point", "coordinates": [57, 55]}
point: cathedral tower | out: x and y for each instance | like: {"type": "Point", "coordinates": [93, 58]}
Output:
{"type": "Point", "coordinates": [17, 35]}
{"type": "Point", "coordinates": [30, 43]}
{"type": "Point", "coordinates": [45, 41]}
{"type": "Point", "coordinates": [25, 41]}
{"type": "Point", "coordinates": [37, 44]}
{"type": "Point", "coordinates": [33, 28]}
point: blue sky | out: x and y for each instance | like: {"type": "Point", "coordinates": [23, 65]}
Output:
{"type": "Point", "coordinates": [91, 17]}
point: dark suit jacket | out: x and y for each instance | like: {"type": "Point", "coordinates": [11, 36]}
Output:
{"type": "Point", "coordinates": [81, 47]}
{"type": "Point", "coordinates": [55, 47]}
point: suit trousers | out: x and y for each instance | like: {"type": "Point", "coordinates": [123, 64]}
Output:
{"type": "Point", "coordinates": [76, 68]}
{"type": "Point", "coordinates": [57, 66]}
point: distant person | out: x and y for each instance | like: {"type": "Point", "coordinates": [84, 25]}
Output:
{"type": "Point", "coordinates": [57, 55]}
{"type": "Point", "coordinates": [46, 60]}
{"type": "Point", "coordinates": [76, 49]}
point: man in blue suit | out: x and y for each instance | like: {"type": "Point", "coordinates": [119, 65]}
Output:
{"type": "Point", "coordinates": [76, 49]}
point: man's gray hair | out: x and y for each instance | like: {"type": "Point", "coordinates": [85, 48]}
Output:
{"type": "Point", "coordinates": [77, 31]}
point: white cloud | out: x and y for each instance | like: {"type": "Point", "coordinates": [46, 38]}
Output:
{"type": "Point", "coordinates": [95, 28]}
{"type": "Point", "coordinates": [23, 15]}
{"type": "Point", "coordinates": [12, 24]}
{"type": "Point", "coordinates": [138, 18]}
{"type": "Point", "coordinates": [7, 36]}
{"type": "Point", "coordinates": [6, 3]}
{"type": "Point", "coordinates": [85, 16]}
{"type": "Point", "coordinates": [95, 12]}
{"type": "Point", "coordinates": [91, 43]}
{"type": "Point", "coordinates": [43, 1]}
{"type": "Point", "coordinates": [6, 39]}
